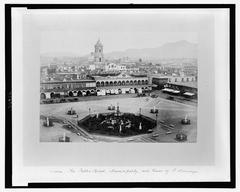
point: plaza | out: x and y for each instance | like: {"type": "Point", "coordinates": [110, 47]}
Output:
{"type": "Point", "coordinates": [170, 114]}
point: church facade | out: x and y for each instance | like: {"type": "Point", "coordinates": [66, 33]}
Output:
{"type": "Point", "coordinates": [97, 57]}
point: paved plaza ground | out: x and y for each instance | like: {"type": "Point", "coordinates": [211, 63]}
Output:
{"type": "Point", "coordinates": [170, 113]}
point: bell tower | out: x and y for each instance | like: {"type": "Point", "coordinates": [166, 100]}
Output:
{"type": "Point", "coordinates": [98, 52]}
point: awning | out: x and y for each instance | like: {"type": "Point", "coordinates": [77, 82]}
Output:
{"type": "Point", "coordinates": [175, 91]}
{"type": "Point", "coordinates": [167, 89]}
{"type": "Point", "coordinates": [170, 90]}
{"type": "Point", "coordinates": [188, 94]}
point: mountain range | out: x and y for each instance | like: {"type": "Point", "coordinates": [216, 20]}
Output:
{"type": "Point", "coordinates": [179, 49]}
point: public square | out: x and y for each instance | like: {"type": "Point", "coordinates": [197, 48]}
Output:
{"type": "Point", "coordinates": [168, 119]}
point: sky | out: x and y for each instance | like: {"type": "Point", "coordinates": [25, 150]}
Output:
{"type": "Point", "coordinates": [77, 33]}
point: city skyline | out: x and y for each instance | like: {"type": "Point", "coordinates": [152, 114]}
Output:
{"type": "Point", "coordinates": [77, 33]}
{"type": "Point", "coordinates": [69, 52]}
{"type": "Point", "coordinates": [72, 44]}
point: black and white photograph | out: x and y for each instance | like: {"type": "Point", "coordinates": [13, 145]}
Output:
{"type": "Point", "coordinates": [120, 95]}
{"type": "Point", "coordinates": [118, 78]}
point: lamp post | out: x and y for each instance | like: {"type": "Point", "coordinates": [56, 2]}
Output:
{"type": "Point", "coordinates": [64, 137]}
{"type": "Point", "coordinates": [47, 122]}
{"type": "Point", "coordinates": [118, 109]}
{"type": "Point", "coordinates": [156, 118]}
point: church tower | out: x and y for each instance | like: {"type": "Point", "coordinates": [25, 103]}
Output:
{"type": "Point", "coordinates": [98, 52]}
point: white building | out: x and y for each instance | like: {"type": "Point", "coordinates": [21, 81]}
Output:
{"type": "Point", "coordinates": [115, 67]}
{"type": "Point", "coordinates": [92, 67]}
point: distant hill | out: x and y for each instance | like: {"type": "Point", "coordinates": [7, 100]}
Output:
{"type": "Point", "coordinates": [179, 49]}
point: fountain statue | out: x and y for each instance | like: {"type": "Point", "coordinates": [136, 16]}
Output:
{"type": "Point", "coordinates": [117, 112]}
{"type": "Point", "coordinates": [185, 121]}
{"type": "Point", "coordinates": [181, 137]}
{"type": "Point", "coordinates": [71, 111]}
{"type": "Point", "coordinates": [48, 122]}
{"type": "Point", "coordinates": [111, 107]}
{"type": "Point", "coordinates": [154, 110]}
{"type": "Point", "coordinates": [64, 138]}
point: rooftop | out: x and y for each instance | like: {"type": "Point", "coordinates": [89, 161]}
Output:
{"type": "Point", "coordinates": [192, 84]}
{"type": "Point", "coordinates": [118, 77]}
{"type": "Point", "coordinates": [68, 81]}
